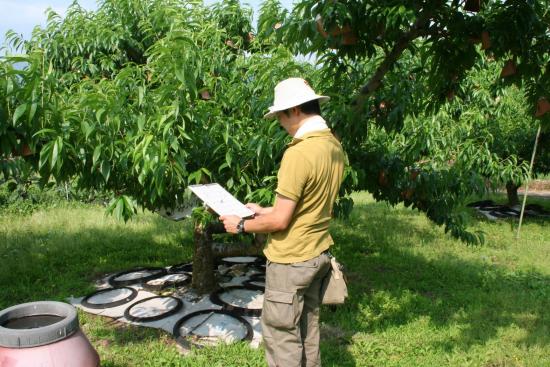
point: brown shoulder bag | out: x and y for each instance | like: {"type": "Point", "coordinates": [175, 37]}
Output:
{"type": "Point", "coordinates": [334, 289]}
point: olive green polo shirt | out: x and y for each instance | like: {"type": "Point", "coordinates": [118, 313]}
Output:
{"type": "Point", "coordinates": [310, 174]}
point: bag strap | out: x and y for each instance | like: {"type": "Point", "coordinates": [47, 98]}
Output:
{"type": "Point", "coordinates": [337, 272]}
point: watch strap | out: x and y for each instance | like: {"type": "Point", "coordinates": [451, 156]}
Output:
{"type": "Point", "coordinates": [240, 226]}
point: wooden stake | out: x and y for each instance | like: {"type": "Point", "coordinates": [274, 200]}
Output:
{"type": "Point", "coordinates": [527, 184]}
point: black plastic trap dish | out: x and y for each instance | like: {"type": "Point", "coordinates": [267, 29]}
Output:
{"type": "Point", "coordinates": [256, 280]}
{"type": "Point", "coordinates": [251, 260]}
{"type": "Point", "coordinates": [240, 302]}
{"type": "Point", "coordinates": [481, 203]}
{"type": "Point", "coordinates": [170, 280]}
{"type": "Point", "coordinates": [219, 324]}
{"type": "Point", "coordinates": [181, 268]}
{"type": "Point", "coordinates": [112, 297]}
{"type": "Point", "coordinates": [153, 308]}
{"type": "Point", "coordinates": [136, 276]}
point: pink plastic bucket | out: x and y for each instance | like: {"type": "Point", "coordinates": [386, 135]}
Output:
{"type": "Point", "coordinates": [44, 334]}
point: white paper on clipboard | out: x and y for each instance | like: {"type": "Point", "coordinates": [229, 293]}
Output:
{"type": "Point", "coordinates": [221, 201]}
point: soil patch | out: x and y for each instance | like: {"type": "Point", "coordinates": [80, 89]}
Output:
{"type": "Point", "coordinates": [537, 188]}
{"type": "Point", "coordinates": [537, 185]}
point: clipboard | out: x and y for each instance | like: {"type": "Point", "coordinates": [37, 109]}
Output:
{"type": "Point", "coordinates": [220, 200]}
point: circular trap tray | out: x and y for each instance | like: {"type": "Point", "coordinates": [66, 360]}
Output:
{"type": "Point", "coordinates": [153, 308]}
{"type": "Point", "coordinates": [243, 300]}
{"type": "Point", "coordinates": [207, 327]}
{"type": "Point", "coordinates": [256, 280]}
{"type": "Point", "coordinates": [109, 297]}
{"type": "Point", "coordinates": [252, 260]}
{"type": "Point", "coordinates": [171, 280]}
{"type": "Point", "coordinates": [181, 268]}
{"type": "Point", "coordinates": [135, 276]}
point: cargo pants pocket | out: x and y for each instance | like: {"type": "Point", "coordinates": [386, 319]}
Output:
{"type": "Point", "coordinates": [280, 309]}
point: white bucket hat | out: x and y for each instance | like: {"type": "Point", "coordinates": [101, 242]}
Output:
{"type": "Point", "coordinates": [292, 92]}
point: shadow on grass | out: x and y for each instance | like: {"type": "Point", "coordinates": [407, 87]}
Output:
{"type": "Point", "coordinates": [47, 262]}
{"type": "Point", "coordinates": [391, 284]}
{"type": "Point", "coordinates": [113, 337]}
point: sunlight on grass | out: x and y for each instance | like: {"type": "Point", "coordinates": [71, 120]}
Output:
{"type": "Point", "coordinates": [410, 282]}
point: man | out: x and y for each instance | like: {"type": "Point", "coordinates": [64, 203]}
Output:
{"type": "Point", "coordinates": [308, 183]}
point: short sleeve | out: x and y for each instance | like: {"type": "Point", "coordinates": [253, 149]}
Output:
{"type": "Point", "coordinates": [293, 175]}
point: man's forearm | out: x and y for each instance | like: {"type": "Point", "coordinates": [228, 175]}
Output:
{"type": "Point", "coordinates": [266, 210]}
{"type": "Point", "coordinates": [266, 220]}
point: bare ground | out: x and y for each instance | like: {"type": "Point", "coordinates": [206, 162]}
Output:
{"type": "Point", "coordinates": [537, 188]}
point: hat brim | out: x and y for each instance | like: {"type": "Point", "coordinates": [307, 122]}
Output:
{"type": "Point", "coordinates": [274, 109]}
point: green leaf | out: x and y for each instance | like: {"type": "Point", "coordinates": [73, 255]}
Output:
{"type": "Point", "coordinates": [9, 86]}
{"type": "Point", "coordinates": [57, 146]}
{"type": "Point", "coordinates": [129, 206]}
{"type": "Point", "coordinates": [119, 209]}
{"type": "Point", "coordinates": [146, 143]}
{"type": "Point", "coordinates": [44, 132]}
{"type": "Point", "coordinates": [141, 122]}
{"type": "Point", "coordinates": [97, 153]}
{"type": "Point", "coordinates": [226, 134]}
{"type": "Point", "coordinates": [45, 155]}
{"type": "Point", "coordinates": [167, 127]}
{"type": "Point", "coordinates": [19, 111]}
{"type": "Point", "coordinates": [195, 177]}
{"type": "Point", "coordinates": [180, 74]}
{"type": "Point", "coordinates": [86, 128]}
{"type": "Point", "coordinates": [228, 158]}
{"type": "Point", "coordinates": [141, 93]}
{"type": "Point", "coordinates": [99, 113]}
{"type": "Point", "coordinates": [141, 177]}
{"type": "Point", "coordinates": [105, 170]}
{"type": "Point", "coordinates": [32, 111]}
{"type": "Point", "coordinates": [222, 167]}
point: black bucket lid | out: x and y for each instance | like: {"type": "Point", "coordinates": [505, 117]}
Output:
{"type": "Point", "coordinates": [26, 338]}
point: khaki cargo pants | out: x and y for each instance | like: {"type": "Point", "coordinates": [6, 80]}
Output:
{"type": "Point", "coordinates": [290, 315]}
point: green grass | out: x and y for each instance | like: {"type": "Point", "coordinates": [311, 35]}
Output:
{"type": "Point", "coordinates": [418, 297]}
{"type": "Point", "coordinates": [57, 252]}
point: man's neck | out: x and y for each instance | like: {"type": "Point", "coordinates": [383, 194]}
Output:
{"type": "Point", "coordinates": [308, 124]}
{"type": "Point", "coordinates": [294, 128]}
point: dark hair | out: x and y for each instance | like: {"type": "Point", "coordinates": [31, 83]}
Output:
{"type": "Point", "coordinates": [309, 108]}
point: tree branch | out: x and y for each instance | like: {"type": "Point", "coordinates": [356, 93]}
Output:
{"type": "Point", "coordinates": [401, 45]}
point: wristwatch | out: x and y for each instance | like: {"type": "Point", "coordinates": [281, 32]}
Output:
{"type": "Point", "coordinates": [240, 226]}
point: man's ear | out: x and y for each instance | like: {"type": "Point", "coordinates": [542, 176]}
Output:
{"type": "Point", "coordinates": [295, 111]}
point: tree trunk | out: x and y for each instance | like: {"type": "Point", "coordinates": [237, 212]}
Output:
{"type": "Point", "coordinates": [512, 192]}
{"type": "Point", "coordinates": [240, 249]}
{"type": "Point", "coordinates": [204, 279]}
{"type": "Point", "coordinates": [205, 252]}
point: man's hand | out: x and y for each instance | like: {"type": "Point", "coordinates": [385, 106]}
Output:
{"type": "Point", "coordinates": [257, 209]}
{"type": "Point", "coordinates": [230, 223]}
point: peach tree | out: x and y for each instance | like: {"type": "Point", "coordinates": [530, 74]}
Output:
{"type": "Point", "coordinates": [143, 98]}
{"type": "Point", "coordinates": [406, 102]}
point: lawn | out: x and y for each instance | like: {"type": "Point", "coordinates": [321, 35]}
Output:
{"type": "Point", "coordinates": [418, 297]}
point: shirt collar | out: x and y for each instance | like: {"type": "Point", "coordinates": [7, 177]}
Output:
{"type": "Point", "coordinates": [313, 134]}
{"type": "Point", "coordinates": [313, 123]}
